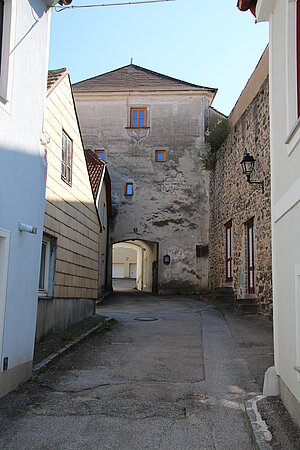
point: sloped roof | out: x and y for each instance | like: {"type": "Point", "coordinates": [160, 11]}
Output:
{"type": "Point", "coordinates": [135, 78]}
{"type": "Point", "coordinates": [54, 77]}
{"type": "Point", "coordinates": [244, 5]}
{"type": "Point", "coordinates": [95, 168]}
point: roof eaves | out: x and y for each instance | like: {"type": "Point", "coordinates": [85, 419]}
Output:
{"type": "Point", "coordinates": [61, 73]}
{"type": "Point", "coordinates": [219, 112]}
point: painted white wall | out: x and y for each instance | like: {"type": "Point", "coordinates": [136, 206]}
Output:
{"type": "Point", "coordinates": [140, 253]}
{"type": "Point", "coordinates": [285, 164]}
{"type": "Point", "coordinates": [125, 255]}
{"type": "Point", "coordinates": [23, 176]}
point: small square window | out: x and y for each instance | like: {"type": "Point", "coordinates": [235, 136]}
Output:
{"type": "Point", "coordinates": [100, 154]}
{"type": "Point", "coordinates": [160, 155]}
{"type": "Point", "coordinates": [129, 189]}
{"type": "Point", "coordinates": [138, 118]}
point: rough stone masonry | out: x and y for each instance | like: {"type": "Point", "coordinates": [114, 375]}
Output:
{"type": "Point", "coordinates": [169, 204]}
{"type": "Point", "coordinates": [233, 199]}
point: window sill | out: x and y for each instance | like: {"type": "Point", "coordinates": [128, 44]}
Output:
{"type": "Point", "coordinates": [137, 128]}
{"type": "Point", "coordinates": [43, 296]}
{"type": "Point", "coordinates": [249, 297]}
{"type": "Point", "coordinates": [293, 137]}
{"type": "Point", "coordinates": [66, 181]}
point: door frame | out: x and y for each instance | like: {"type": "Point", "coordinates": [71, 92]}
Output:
{"type": "Point", "coordinates": [4, 260]}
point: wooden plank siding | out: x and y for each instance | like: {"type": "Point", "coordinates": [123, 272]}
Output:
{"type": "Point", "coordinates": [70, 213]}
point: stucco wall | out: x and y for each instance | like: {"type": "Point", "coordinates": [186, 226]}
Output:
{"type": "Point", "coordinates": [22, 186]}
{"type": "Point", "coordinates": [170, 200]}
{"type": "Point", "coordinates": [70, 213]}
{"type": "Point", "coordinates": [285, 160]}
{"type": "Point", "coordinates": [125, 256]}
{"type": "Point", "coordinates": [232, 198]}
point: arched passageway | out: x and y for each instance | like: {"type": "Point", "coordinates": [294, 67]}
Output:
{"type": "Point", "coordinates": [134, 265]}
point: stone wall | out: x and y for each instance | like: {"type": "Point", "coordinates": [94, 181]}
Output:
{"type": "Point", "coordinates": [232, 198]}
{"type": "Point", "coordinates": [169, 205]}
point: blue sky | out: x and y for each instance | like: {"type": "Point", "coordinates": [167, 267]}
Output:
{"type": "Point", "coordinates": [204, 42]}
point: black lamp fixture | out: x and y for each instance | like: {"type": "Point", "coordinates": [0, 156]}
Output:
{"type": "Point", "coordinates": [248, 165]}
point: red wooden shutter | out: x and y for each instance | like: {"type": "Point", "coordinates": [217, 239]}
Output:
{"type": "Point", "coordinates": [228, 258]}
{"type": "Point", "coordinates": [250, 256]}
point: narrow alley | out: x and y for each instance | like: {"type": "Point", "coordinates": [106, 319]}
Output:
{"type": "Point", "coordinates": [170, 375]}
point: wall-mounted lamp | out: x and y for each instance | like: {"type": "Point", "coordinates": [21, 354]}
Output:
{"type": "Point", "coordinates": [248, 165]}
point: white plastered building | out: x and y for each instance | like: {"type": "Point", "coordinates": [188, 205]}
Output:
{"type": "Point", "coordinates": [24, 43]}
{"type": "Point", "coordinates": [284, 20]}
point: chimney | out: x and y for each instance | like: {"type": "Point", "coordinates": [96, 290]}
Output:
{"type": "Point", "coordinates": [131, 61]}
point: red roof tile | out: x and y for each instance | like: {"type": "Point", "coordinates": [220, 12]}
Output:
{"type": "Point", "coordinates": [244, 5]}
{"type": "Point", "coordinates": [95, 168]}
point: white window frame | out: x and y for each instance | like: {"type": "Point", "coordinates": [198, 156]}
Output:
{"type": "Point", "coordinates": [44, 291]}
{"type": "Point", "coordinates": [64, 161]}
{"type": "Point", "coordinates": [104, 216]}
{"type": "Point", "coordinates": [4, 259]}
{"type": "Point", "coordinates": [7, 53]}
{"type": "Point", "coordinates": [297, 317]}
{"type": "Point", "coordinates": [293, 122]}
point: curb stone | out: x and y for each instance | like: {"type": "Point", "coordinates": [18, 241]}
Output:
{"type": "Point", "coordinates": [103, 297]}
{"type": "Point", "coordinates": [261, 436]}
{"type": "Point", "coordinates": [41, 366]}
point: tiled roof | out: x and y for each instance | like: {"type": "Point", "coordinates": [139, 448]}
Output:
{"type": "Point", "coordinates": [135, 78]}
{"type": "Point", "coordinates": [54, 77]}
{"type": "Point", "coordinates": [244, 5]}
{"type": "Point", "coordinates": [95, 168]}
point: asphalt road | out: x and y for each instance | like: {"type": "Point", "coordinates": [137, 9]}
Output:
{"type": "Point", "coordinates": [174, 383]}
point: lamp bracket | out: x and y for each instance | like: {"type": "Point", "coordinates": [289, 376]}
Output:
{"type": "Point", "coordinates": [258, 183]}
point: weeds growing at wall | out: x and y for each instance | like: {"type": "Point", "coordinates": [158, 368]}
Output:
{"type": "Point", "coordinates": [214, 139]}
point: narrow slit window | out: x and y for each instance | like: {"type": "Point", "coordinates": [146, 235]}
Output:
{"type": "Point", "coordinates": [129, 189]}
{"type": "Point", "coordinates": [160, 155]}
{"type": "Point", "coordinates": [138, 118]}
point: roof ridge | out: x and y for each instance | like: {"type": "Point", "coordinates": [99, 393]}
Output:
{"type": "Point", "coordinates": [168, 77]}
{"type": "Point", "coordinates": [149, 71]}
